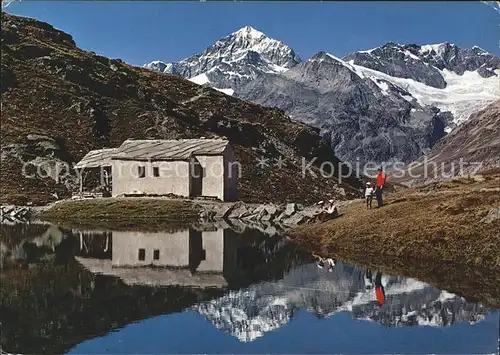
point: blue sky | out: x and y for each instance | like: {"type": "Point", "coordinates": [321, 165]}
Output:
{"type": "Point", "coordinates": [139, 32]}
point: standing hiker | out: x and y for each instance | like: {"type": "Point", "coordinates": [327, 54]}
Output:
{"type": "Point", "coordinates": [368, 279]}
{"type": "Point", "coordinates": [369, 195]}
{"type": "Point", "coordinates": [381, 178]}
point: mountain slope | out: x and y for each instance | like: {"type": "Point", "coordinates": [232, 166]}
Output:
{"type": "Point", "coordinates": [367, 119]}
{"type": "Point", "coordinates": [473, 146]}
{"type": "Point", "coordinates": [59, 102]}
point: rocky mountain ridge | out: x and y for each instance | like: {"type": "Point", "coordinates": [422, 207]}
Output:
{"type": "Point", "coordinates": [370, 103]}
{"type": "Point", "coordinates": [426, 63]}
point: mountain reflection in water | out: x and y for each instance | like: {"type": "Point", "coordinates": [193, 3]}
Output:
{"type": "Point", "coordinates": [63, 287]}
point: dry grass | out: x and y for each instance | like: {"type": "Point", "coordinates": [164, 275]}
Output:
{"type": "Point", "coordinates": [130, 211]}
{"type": "Point", "coordinates": [439, 224]}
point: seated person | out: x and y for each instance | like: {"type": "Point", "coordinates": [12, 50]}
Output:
{"type": "Point", "coordinates": [322, 262]}
{"type": "Point", "coordinates": [328, 211]}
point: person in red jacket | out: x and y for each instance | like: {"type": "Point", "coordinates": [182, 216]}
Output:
{"type": "Point", "coordinates": [379, 185]}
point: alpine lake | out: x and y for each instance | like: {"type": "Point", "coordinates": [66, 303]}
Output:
{"type": "Point", "coordinates": [217, 289]}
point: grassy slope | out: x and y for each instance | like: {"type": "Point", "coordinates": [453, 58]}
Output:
{"type": "Point", "coordinates": [439, 222]}
{"type": "Point", "coordinates": [115, 209]}
{"type": "Point", "coordinates": [84, 101]}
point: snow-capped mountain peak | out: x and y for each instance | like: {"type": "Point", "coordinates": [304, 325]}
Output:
{"type": "Point", "coordinates": [428, 48]}
{"type": "Point", "coordinates": [248, 39]}
{"type": "Point", "coordinates": [233, 60]}
{"type": "Point", "coordinates": [249, 32]}
{"type": "Point", "coordinates": [409, 85]}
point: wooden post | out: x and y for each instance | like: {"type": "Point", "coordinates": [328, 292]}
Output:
{"type": "Point", "coordinates": [81, 182]}
{"type": "Point", "coordinates": [107, 243]}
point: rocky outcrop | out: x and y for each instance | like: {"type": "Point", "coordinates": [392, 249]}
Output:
{"type": "Point", "coordinates": [398, 61]}
{"type": "Point", "coordinates": [284, 215]}
{"type": "Point", "coordinates": [13, 214]}
{"type": "Point", "coordinates": [425, 63]}
{"type": "Point", "coordinates": [493, 215]}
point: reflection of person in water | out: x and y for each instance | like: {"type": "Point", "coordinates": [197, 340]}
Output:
{"type": "Point", "coordinates": [368, 279]}
{"type": "Point", "coordinates": [379, 289]}
{"type": "Point", "coordinates": [329, 261]}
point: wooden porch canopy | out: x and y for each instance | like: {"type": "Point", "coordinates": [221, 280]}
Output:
{"type": "Point", "coordinates": [99, 158]}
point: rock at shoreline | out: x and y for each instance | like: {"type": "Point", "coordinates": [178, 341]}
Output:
{"type": "Point", "coordinates": [493, 215]}
{"type": "Point", "coordinates": [11, 213]}
{"type": "Point", "coordinates": [289, 214]}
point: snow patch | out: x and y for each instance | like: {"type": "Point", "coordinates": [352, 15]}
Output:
{"type": "Point", "coordinates": [229, 92]}
{"type": "Point", "coordinates": [233, 73]}
{"type": "Point", "coordinates": [249, 32]}
{"type": "Point", "coordinates": [347, 65]}
{"type": "Point", "coordinates": [200, 79]}
{"type": "Point", "coordinates": [368, 51]}
{"type": "Point", "coordinates": [445, 295]}
{"type": "Point", "coordinates": [431, 47]}
{"type": "Point", "coordinates": [382, 85]}
{"type": "Point", "coordinates": [408, 98]}
{"type": "Point", "coordinates": [277, 69]}
{"type": "Point", "coordinates": [411, 55]}
{"type": "Point", "coordinates": [156, 62]}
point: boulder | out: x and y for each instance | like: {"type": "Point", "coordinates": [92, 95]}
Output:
{"type": "Point", "coordinates": [493, 215]}
{"type": "Point", "coordinates": [295, 219]}
{"type": "Point", "coordinates": [248, 212]}
{"type": "Point", "coordinates": [237, 225]}
{"type": "Point", "coordinates": [289, 214]}
{"type": "Point", "coordinates": [221, 210]}
{"type": "Point", "coordinates": [271, 212]}
{"type": "Point", "coordinates": [262, 214]}
{"type": "Point", "coordinates": [311, 210]}
{"type": "Point", "coordinates": [266, 217]}
{"type": "Point", "coordinates": [209, 215]}
{"type": "Point", "coordinates": [250, 215]}
{"type": "Point", "coordinates": [238, 210]}
{"type": "Point", "coordinates": [226, 212]}
{"type": "Point", "coordinates": [39, 137]}
{"type": "Point", "coordinates": [290, 209]}
{"type": "Point", "coordinates": [257, 213]}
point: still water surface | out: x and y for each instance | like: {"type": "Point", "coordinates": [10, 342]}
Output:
{"type": "Point", "coordinates": [217, 289]}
